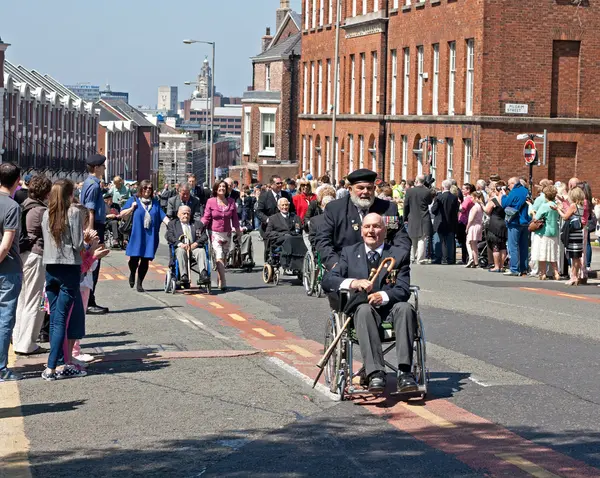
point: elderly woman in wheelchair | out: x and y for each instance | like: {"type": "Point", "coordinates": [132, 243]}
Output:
{"type": "Point", "coordinates": [372, 282]}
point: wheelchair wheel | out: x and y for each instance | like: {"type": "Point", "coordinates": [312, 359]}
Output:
{"type": "Point", "coordinates": [308, 274]}
{"type": "Point", "coordinates": [420, 362]}
{"type": "Point", "coordinates": [168, 282]}
{"type": "Point", "coordinates": [267, 274]}
{"type": "Point", "coordinates": [320, 292]}
{"type": "Point", "coordinates": [173, 287]}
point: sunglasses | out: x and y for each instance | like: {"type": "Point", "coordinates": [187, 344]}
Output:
{"type": "Point", "coordinates": [279, 183]}
{"type": "Point", "coordinates": [145, 188]}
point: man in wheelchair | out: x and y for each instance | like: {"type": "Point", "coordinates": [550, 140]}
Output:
{"type": "Point", "coordinates": [113, 211]}
{"type": "Point", "coordinates": [385, 301]}
{"type": "Point", "coordinates": [188, 239]}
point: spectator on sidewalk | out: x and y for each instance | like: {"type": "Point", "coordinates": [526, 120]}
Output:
{"type": "Point", "coordinates": [517, 219]}
{"type": "Point", "coordinates": [23, 193]}
{"type": "Point", "coordinates": [475, 229]}
{"type": "Point", "coordinates": [120, 192]}
{"type": "Point", "coordinates": [544, 249]}
{"type": "Point", "coordinates": [11, 267]}
{"type": "Point", "coordinates": [416, 214]}
{"type": "Point", "coordinates": [466, 203]}
{"type": "Point", "coordinates": [92, 197]}
{"type": "Point", "coordinates": [29, 316]}
{"type": "Point", "coordinates": [574, 241]}
{"type": "Point", "coordinates": [302, 201]}
{"type": "Point", "coordinates": [445, 223]}
{"type": "Point", "coordinates": [497, 233]}
{"type": "Point", "coordinates": [342, 190]}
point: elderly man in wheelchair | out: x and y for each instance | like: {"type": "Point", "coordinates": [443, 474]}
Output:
{"type": "Point", "coordinates": [374, 300]}
{"type": "Point", "coordinates": [188, 241]}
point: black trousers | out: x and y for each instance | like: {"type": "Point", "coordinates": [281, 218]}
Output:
{"type": "Point", "coordinates": [461, 237]}
{"type": "Point", "coordinates": [100, 229]}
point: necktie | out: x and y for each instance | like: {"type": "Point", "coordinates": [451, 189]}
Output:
{"type": "Point", "coordinates": [278, 195]}
{"type": "Point", "coordinates": [373, 258]}
{"type": "Point", "coordinates": [187, 231]}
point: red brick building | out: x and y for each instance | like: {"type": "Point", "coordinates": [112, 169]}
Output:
{"type": "Point", "coordinates": [270, 107]}
{"type": "Point", "coordinates": [469, 73]}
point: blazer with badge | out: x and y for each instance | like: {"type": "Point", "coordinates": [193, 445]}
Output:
{"type": "Point", "coordinates": [353, 265]}
{"type": "Point", "coordinates": [342, 223]}
{"type": "Point", "coordinates": [279, 226]}
{"type": "Point", "coordinates": [267, 206]}
{"type": "Point", "coordinates": [416, 211]}
{"type": "Point", "coordinates": [175, 231]}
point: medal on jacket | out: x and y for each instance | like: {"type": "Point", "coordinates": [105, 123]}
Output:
{"type": "Point", "coordinates": [354, 226]}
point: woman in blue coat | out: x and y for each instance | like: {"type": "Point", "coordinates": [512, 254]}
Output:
{"type": "Point", "coordinates": [145, 229]}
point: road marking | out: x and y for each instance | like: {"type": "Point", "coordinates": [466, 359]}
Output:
{"type": "Point", "coordinates": [427, 415]}
{"type": "Point", "coordinates": [263, 332]}
{"type": "Point", "coordinates": [481, 372]}
{"type": "Point", "coordinates": [14, 445]}
{"type": "Point", "coordinates": [216, 305]}
{"type": "Point", "coordinates": [300, 351]}
{"type": "Point", "coordinates": [199, 296]}
{"type": "Point", "coordinates": [236, 317]}
{"type": "Point", "coordinates": [562, 294]}
{"type": "Point", "coordinates": [120, 277]}
{"type": "Point", "coordinates": [526, 465]}
{"type": "Point", "coordinates": [506, 304]}
{"type": "Point", "coordinates": [530, 288]}
{"type": "Point", "coordinates": [108, 276]}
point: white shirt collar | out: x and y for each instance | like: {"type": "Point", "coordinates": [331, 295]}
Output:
{"type": "Point", "coordinates": [284, 215]}
{"type": "Point", "coordinates": [379, 250]}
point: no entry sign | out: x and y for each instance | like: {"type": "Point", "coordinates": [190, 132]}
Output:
{"type": "Point", "coordinates": [529, 151]}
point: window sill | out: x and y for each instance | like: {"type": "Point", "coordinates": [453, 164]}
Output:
{"type": "Point", "coordinates": [267, 153]}
{"type": "Point", "coordinates": [394, 11]}
{"type": "Point", "coordinates": [406, 8]}
{"type": "Point", "coordinates": [246, 153]}
{"type": "Point", "coordinates": [436, 2]}
{"type": "Point", "coordinates": [419, 5]}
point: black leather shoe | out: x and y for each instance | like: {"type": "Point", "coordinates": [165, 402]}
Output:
{"type": "Point", "coordinates": [131, 280]}
{"type": "Point", "coordinates": [406, 383]}
{"type": "Point", "coordinates": [97, 310]}
{"type": "Point", "coordinates": [377, 383]}
{"type": "Point", "coordinates": [185, 278]}
{"type": "Point", "coordinates": [203, 279]}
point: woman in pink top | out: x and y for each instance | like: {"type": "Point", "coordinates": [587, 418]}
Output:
{"type": "Point", "coordinates": [475, 229]}
{"type": "Point", "coordinates": [463, 218]}
{"type": "Point", "coordinates": [220, 216]}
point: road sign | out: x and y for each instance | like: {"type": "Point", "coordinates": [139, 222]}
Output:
{"type": "Point", "coordinates": [529, 152]}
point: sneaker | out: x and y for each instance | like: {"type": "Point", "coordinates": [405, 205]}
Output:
{"type": "Point", "coordinates": [70, 371]}
{"type": "Point", "coordinates": [85, 358]}
{"type": "Point", "coordinates": [512, 274]}
{"type": "Point", "coordinates": [49, 376]}
{"type": "Point", "coordinates": [78, 363]}
{"type": "Point", "coordinates": [7, 375]}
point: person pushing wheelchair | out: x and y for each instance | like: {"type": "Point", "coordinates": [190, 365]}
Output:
{"type": "Point", "coordinates": [386, 301]}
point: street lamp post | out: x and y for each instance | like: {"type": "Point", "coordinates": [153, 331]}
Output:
{"type": "Point", "coordinates": [212, 105]}
{"type": "Point", "coordinates": [206, 173]}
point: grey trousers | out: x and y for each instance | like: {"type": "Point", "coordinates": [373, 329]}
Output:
{"type": "Point", "coordinates": [367, 323]}
{"type": "Point", "coordinates": [182, 258]}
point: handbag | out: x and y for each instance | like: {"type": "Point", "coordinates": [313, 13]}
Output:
{"type": "Point", "coordinates": [575, 223]}
{"type": "Point", "coordinates": [536, 225]}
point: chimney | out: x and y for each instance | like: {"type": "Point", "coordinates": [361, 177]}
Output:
{"type": "Point", "coordinates": [266, 40]}
{"type": "Point", "coordinates": [282, 11]}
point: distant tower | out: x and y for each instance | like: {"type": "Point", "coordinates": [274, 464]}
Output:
{"type": "Point", "coordinates": [205, 86]}
{"type": "Point", "coordinates": [282, 11]}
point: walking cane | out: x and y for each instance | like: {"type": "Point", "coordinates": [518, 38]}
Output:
{"type": "Point", "coordinates": [183, 238]}
{"type": "Point", "coordinates": [387, 263]}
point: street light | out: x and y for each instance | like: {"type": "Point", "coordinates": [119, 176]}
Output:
{"type": "Point", "coordinates": [212, 103]}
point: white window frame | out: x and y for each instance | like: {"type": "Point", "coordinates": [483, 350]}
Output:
{"type": "Point", "coordinates": [433, 166]}
{"type": "Point", "coordinates": [312, 87]}
{"type": "Point", "coordinates": [321, 13]}
{"type": "Point", "coordinates": [395, 5]}
{"type": "Point", "coordinates": [314, 13]}
{"type": "Point", "coordinates": [319, 160]}
{"type": "Point", "coordinates": [407, 2]}
{"type": "Point", "coordinates": [451, 76]}
{"type": "Point", "coordinates": [329, 104]}
{"type": "Point", "coordinates": [306, 14]}
{"type": "Point", "coordinates": [404, 157]}
{"type": "Point", "coordinates": [361, 151]}
{"type": "Point", "coordinates": [420, 78]}
{"type": "Point", "coordinates": [363, 83]}
{"type": "Point", "coordinates": [352, 84]}
{"type": "Point", "coordinates": [468, 159]}
{"type": "Point", "coordinates": [394, 96]}
{"type": "Point", "coordinates": [271, 150]}
{"type": "Point", "coordinates": [354, 8]}
{"type": "Point", "coordinates": [337, 159]}
{"type": "Point", "coordinates": [330, 16]}
{"type": "Point", "coordinates": [311, 156]}
{"type": "Point", "coordinates": [470, 80]}
{"type": "Point", "coordinates": [339, 88]}
{"type": "Point", "coordinates": [304, 166]}
{"type": "Point", "coordinates": [375, 5]}
{"type": "Point", "coordinates": [350, 153]}
{"type": "Point", "coordinates": [406, 92]}
{"type": "Point", "coordinates": [327, 153]}
{"type": "Point", "coordinates": [436, 80]}
{"type": "Point", "coordinates": [267, 77]}
{"type": "Point", "coordinates": [364, 7]}
{"type": "Point", "coordinates": [392, 156]}
{"type": "Point", "coordinates": [449, 157]}
{"type": "Point", "coordinates": [320, 88]}
{"type": "Point", "coordinates": [305, 93]}
{"type": "Point", "coordinates": [247, 129]}
{"type": "Point", "coordinates": [374, 87]}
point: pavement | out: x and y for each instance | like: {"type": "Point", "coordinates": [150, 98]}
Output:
{"type": "Point", "coordinates": [193, 385]}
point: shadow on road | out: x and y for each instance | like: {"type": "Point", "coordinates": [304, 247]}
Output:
{"type": "Point", "coordinates": [38, 408]}
{"type": "Point", "coordinates": [144, 309]}
{"type": "Point", "coordinates": [108, 334]}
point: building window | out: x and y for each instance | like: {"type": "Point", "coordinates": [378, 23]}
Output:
{"type": "Point", "coordinates": [314, 13]}
{"type": "Point", "coordinates": [329, 105]}
{"type": "Point", "coordinates": [433, 157]}
{"type": "Point", "coordinates": [267, 77]}
{"type": "Point", "coordinates": [312, 87]}
{"type": "Point", "coordinates": [375, 5]}
{"type": "Point", "coordinates": [320, 88]}
{"type": "Point", "coordinates": [394, 81]}
{"type": "Point", "coordinates": [374, 86]}
{"type": "Point", "coordinates": [327, 153]}
{"type": "Point", "coordinates": [406, 86]}
{"type": "Point", "coordinates": [470, 76]}
{"type": "Point", "coordinates": [330, 12]}
{"type": "Point", "coordinates": [468, 158]}
{"type": "Point", "coordinates": [364, 7]}
{"type": "Point", "coordinates": [306, 14]}
{"type": "Point", "coordinates": [392, 156]}
{"type": "Point", "coordinates": [395, 5]}
{"type": "Point", "coordinates": [338, 88]}
{"type": "Point", "coordinates": [267, 127]}
{"type": "Point", "coordinates": [436, 78]}
{"type": "Point", "coordinates": [354, 7]}
{"type": "Point", "coordinates": [305, 107]}
{"type": "Point", "coordinates": [247, 137]}
{"type": "Point", "coordinates": [361, 151]}
{"type": "Point", "coordinates": [321, 13]}
{"type": "Point", "coordinates": [404, 157]}
{"type": "Point", "coordinates": [449, 157]}
{"type": "Point", "coordinates": [420, 79]}
{"type": "Point", "coordinates": [363, 83]}
{"type": "Point", "coordinates": [352, 83]}
{"type": "Point", "coordinates": [304, 167]}
{"type": "Point", "coordinates": [310, 154]}
{"type": "Point", "coordinates": [451, 76]}
{"type": "Point", "coordinates": [336, 160]}
{"type": "Point", "coordinates": [350, 153]}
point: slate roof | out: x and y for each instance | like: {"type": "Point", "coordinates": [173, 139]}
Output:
{"type": "Point", "coordinates": [291, 45]}
{"type": "Point", "coordinates": [124, 109]}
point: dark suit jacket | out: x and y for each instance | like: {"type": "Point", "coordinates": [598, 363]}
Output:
{"type": "Point", "coordinates": [267, 206]}
{"type": "Point", "coordinates": [342, 223]}
{"type": "Point", "coordinates": [416, 211]}
{"type": "Point", "coordinates": [279, 227]}
{"type": "Point", "coordinates": [445, 210]}
{"type": "Point", "coordinates": [194, 203]}
{"type": "Point", "coordinates": [353, 265]}
{"type": "Point", "coordinates": [175, 231]}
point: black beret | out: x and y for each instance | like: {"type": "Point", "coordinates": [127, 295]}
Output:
{"type": "Point", "coordinates": [362, 176]}
{"type": "Point", "coordinates": [107, 195]}
{"type": "Point", "coordinates": [96, 160]}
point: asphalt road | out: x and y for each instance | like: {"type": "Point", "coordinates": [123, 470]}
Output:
{"type": "Point", "coordinates": [513, 391]}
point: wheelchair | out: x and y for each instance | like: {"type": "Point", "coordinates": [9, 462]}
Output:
{"type": "Point", "coordinates": [236, 260]}
{"type": "Point", "coordinates": [288, 256]}
{"type": "Point", "coordinates": [312, 273]}
{"type": "Point", "coordinates": [173, 277]}
{"type": "Point", "coordinates": [339, 371]}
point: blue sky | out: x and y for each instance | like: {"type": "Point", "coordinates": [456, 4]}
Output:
{"type": "Point", "coordinates": [136, 45]}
